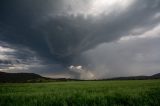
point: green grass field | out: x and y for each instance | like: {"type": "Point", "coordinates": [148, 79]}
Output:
{"type": "Point", "coordinates": [82, 93]}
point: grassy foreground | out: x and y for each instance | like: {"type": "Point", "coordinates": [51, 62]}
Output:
{"type": "Point", "coordinates": [82, 93]}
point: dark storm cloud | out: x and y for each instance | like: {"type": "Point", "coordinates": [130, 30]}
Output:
{"type": "Point", "coordinates": [68, 36]}
{"type": "Point", "coordinates": [53, 32]}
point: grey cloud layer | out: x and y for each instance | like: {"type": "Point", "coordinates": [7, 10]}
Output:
{"type": "Point", "coordinates": [56, 32]}
{"type": "Point", "coordinates": [126, 58]}
{"type": "Point", "coordinates": [68, 36]}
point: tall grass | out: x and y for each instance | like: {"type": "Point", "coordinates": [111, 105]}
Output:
{"type": "Point", "coordinates": [82, 93]}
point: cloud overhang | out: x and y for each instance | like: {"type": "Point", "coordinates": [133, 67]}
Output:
{"type": "Point", "coordinates": [60, 33]}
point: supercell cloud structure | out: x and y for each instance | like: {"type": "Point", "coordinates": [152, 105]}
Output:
{"type": "Point", "coordinates": [60, 33]}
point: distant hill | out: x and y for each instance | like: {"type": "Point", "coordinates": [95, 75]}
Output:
{"type": "Point", "coordinates": [21, 77]}
{"type": "Point", "coordinates": [26, 77]}
{"type": "Point", "coordinates": [2, 73]}
{"type": "Point", "coordinates": [33, 78]}
{"type": "Point", "coordinates": [155, 76]}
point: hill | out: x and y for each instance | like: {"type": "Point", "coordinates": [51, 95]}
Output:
{"type": "Point", "coordinates": [21, 77]}
{"type": "Point", "coordinates": [155, 76]}
{"type": "Point", "coordinates": [27, 77]}
{"type": "Point", "coordinates": [32, 77]}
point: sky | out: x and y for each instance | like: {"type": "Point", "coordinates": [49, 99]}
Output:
{"type": "Point", "coordinates": [82, 39]}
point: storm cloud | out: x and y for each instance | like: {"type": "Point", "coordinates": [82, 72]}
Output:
{"type": "Point", "coordinates": [61, 31]}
